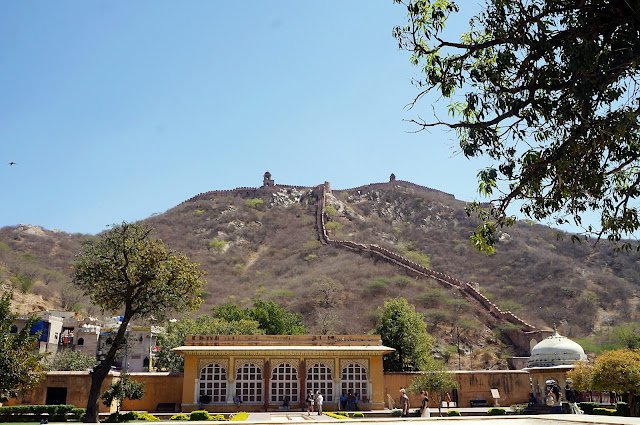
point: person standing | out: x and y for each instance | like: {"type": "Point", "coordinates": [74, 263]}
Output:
{"type": "Point", "coordinates": [404, 402]}
{"type": "Point", "coordinates": [447, 399]}
{"type": "Point", "coordinates": [319, 400]}
{"type": "Point", "coordinates": [424, 406]}
{"type": "Point", "coordinates": [309, 400]}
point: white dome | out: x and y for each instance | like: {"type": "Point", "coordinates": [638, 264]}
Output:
{"type": "Point", "coordinates": [556, 350]}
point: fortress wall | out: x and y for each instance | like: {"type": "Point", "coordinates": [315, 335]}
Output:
{"type": "Point", "coordinates": [467, 289]}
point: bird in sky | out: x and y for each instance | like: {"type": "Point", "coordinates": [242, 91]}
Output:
{"type": "Point", "coordinates": [12, 163]}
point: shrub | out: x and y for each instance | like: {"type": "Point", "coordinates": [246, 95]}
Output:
{"type": "Point", "coordinates": [254, 202]}
{"type": "Point", "coordinates": [116, 417]}
{"type": "Point", "coordinates": [332, 226]}
{"type": "Point", "coordinates": [518, 409]}
{"type": "Point", "coordinates": [604, 412]}
{"type": "Point", "coordinates": [453, 413]}
{"type": "Point", "coordinates": [218, 417]}
{"type": "Point", "coordinates": [217, 245]}
{"type": "Point", "coordinates": [180, 417]}
{"type": "Point", "coordinates": [330, 211]}
{"type": "Point", "coordinates": [240, 416]}
{"type": "Point", "coordinates": [198, 211]}
{"type": "Point", "coordinates": [310, 257]}
{"type": "Point", "coordinates": [358, 415]}
{"type": "Point", "coordinates": [377, 285]}
{"type": "Point", "coordinates": [23, 282]}
{"type": "Point", "coordinates": [587, 407]}
{"type": "Point", "coordinates": [199, 415]}
{"type": "Point", "coordinates": [495, 411]}
{"type": "Point", "coordinates": [25, 412]}
{"type": "Point", "coordinates": [396, 413]}
{"type": "Point", "coordinates": [419, 258]}
{"type": "Point", "coordinates": [402, 281]}
{"type": "Point", "coordinates": [623, 409]}
{"type": "Point", "coordinates": [336, 415]}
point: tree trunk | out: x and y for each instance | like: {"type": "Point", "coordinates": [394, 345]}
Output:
{"type": "Point", "coordinates": [101, 371]}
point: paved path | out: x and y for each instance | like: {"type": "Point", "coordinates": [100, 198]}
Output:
{"type": "Point", "coordinates": [294, 418]}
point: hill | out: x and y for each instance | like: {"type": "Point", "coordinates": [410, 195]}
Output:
{"type": "Point", "coordinates": [267, 242]}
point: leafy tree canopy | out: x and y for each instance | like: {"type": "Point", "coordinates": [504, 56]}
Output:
{"type": "Point", "coordinates": [435, 380]}
{"type": "Point", "coordinates": [617, 370]}
{"type": "Point", "coordinates": [123, 388]}
{"type": "Point", "coordinates": [69, 360]}
{"type": "Point", "coordinates": [275, 319]}
{"type": "Point", "coordinates": [175, 333]}
{"type": "Point", "coordinates": [127, 271]}
{"type": "Point", "coordinates": [271, 317]}
{"type": "Point", "coordinates": [20, 367]}
{"type": "Point", "coordinates": [403, 328]}
{"type": "Point", "coordinates": [547, 91]}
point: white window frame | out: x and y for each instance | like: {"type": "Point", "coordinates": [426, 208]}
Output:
{"type": "Point", "coordinates": [213, 379]}
{"type": "Point", "coordinates": [320, 378]}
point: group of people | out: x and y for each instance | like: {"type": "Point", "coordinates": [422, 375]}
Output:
{"type": "Point", "coordinates": [424, 403]}
{"type": "Point", "coordinates": [349, 401]}
{"type": "Point", "coordinates": [314, 402]}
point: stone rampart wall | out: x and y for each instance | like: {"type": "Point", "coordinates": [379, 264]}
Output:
{"type": "Point", "coordinates": [467, 289]}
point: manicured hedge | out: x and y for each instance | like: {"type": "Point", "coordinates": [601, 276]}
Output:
{"type": "Point", "coordinates": [587, 407]}
{"type": "Point", "coordinates": [453, 413]}
{"type": "Point", "coordinates": [31, 413]}
{"type": "Point", "coordinates": [494, 411]}
{"type": "Point", "coordinates": [622, 409]}
{"type": "Point", "coordinates": [605, 412]}
{"type": "Point", "coordinates": [131, 416]}
{"type": "Point", "coordinates": [240, 416]}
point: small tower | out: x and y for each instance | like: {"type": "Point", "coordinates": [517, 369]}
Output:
{"type": "Point", "coordinates": [392, 178]}
{"type": "Point", "coordinates": [266, 181]}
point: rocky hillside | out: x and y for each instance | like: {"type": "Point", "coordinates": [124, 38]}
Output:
{"type": "Point", "coordinates": [264, 242]}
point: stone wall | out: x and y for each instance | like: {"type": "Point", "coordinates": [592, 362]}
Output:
{"type": "Point", "coordinates": [491, 311]}
{"type": "Point", "coordinates": [513, 386]}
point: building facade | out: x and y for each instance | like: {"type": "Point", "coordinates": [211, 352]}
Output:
{"type": "Point", "coordinates": [265, 372]}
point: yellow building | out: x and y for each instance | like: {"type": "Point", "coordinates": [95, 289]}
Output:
{"type": "Point", "coordinates": [264, 371]}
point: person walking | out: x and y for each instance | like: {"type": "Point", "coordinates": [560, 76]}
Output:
{"type": "Point", "coordinates": [404, 402]}
{"type": "Point", "coordinates": [309, 400]}
{"type": "Point", "coordinates": [319, 400]}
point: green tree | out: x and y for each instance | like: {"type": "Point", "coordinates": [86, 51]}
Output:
{"type": "Point", "coordinates": [627, 335]}
{"type": "Point", "coordinates": [229, 312]}
{"type": "Point", "coordinates": [619, 371]}
{"type": "Point", "coordinates": [582, 376]}
{"type": "Point", "coordinates": [403, 328]}
{"type": "Point", "coordinates": [20, 364]}
{"type": "Point", "coordinates": [275, 319]}
{"type": "Point", "coordinates": [435, 379]}
{"type": "Point", "coordinates": [123, 388]}
{"type": "Point", "coordinates": [545, 90]}
{"type": "Point", "coordinates": [176, 332]}
{"type": "Point", "coordinates": [127, 271]}
{"type": "Point", "coordinates": [69, 360]}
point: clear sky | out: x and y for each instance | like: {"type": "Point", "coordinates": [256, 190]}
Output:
{"type": "Point", "coordinates": [115, 110]}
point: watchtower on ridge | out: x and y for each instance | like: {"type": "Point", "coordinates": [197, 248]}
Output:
{"type": "Point", "coordinates": [266, 181]}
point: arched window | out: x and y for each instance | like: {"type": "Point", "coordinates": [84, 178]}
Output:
{"type": "Point", "coordinates": [80, 341]}
{"type": "Point", "coordinates": [213, 382]}
{"type": "Point", "coordinates": [14, 329]}
{"type": "Point", "coordinates": [319, 379]}
{"type": "Point", "coordinates": [284, 383]}
{"type": "Point", "coordinates": [249, 383]}
{"type": "Point", "coordinates": [354, 379]}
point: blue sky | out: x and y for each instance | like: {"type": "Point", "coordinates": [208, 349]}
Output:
{"type": "Point", "coordinates": [117, 110]}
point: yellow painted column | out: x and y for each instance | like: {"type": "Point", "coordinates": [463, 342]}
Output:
{"type": "Point", "coordinates": [190, 377]}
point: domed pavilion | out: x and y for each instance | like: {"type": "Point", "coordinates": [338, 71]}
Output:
{"type": "Point", "coordinates": [550, 360]}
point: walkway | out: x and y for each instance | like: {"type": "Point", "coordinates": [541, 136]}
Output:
{"type": "Point", "coordinates": [295, 418]}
